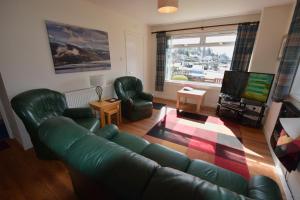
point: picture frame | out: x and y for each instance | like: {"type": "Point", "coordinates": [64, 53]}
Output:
{"type": "Point", "coordinates": [77, 49]}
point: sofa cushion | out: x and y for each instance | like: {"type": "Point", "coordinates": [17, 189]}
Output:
{"type": "Point", "coordinates": [132, 142]}
{"type": "Point", "coordinates": [170, 184]}
{"type": "Point", "coordinates": [64, 137]}
{"type": "Point", "coordinates": [166, 157]}
{"type": "Point", "coordinates": [263, 188]}
{"type": "Point", "coordinates": [108, 131]}
{"type": "Point", "coordinates": [218, 175]}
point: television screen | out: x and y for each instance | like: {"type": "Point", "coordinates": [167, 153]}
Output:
{"type": "Point", "coordinates": [258, 87]}
{"type": "Point", "coordinates": [234, 83]}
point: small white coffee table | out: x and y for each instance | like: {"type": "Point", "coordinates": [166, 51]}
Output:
{"type": "Point", "coordinates": [193, 94]}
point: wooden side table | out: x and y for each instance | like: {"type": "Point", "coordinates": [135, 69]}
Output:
{"type": "Point", "coordinates": [194, 94]}
{"type": "Point", "coordinates": [110, 113]}
{"type": "Point", "coordinates": [103, 106]}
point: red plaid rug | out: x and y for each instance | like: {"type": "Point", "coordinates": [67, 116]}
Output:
{"type": "Point", "coordinates": [207, 134]}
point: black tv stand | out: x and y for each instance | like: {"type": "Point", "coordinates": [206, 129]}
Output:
{"type": "Point", "coordinates": [244, 111]}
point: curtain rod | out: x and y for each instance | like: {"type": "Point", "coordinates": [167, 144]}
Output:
{"type": "Point", "coordinates": [203, 27]}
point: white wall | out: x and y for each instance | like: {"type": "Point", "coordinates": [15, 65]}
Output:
{"type": "Point", "coordinates": [170, 89]}
{"type": "Point", "coordinates": [26, 61]}
{"type": "Point", "coordinates": [274, 24]}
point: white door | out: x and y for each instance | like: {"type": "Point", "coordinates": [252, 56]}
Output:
{"type": "Point", "coordinates": [134, 55]}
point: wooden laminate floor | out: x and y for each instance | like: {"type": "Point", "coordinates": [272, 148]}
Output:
{"type": "Point", "coordinates": [24, 177]}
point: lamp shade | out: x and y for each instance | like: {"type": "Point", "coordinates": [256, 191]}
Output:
{"type": "Point", "coordinates": [97, 80]}
{"type": "Point", "coordinates": [291, 126]}
{"type": "Point", "coordinates": [167, 6]}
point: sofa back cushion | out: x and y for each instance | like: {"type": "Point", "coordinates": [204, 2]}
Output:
{"type": "Point", "coordinates": [168, 183]}
{"type": "Point", "coordinates": [218, 176]}
{"type": "Point", "coordinates": [166, 157]}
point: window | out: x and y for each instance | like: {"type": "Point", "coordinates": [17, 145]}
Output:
{"type": "Point", "coordinates": [200, 58]}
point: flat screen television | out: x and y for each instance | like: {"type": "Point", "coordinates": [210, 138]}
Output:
{"type": "Point", "coordinates": [234, 83]}
{"type": "Point", "coordinates": [248, 85]}
{"type": "Point", "coordinates": [258, 87]}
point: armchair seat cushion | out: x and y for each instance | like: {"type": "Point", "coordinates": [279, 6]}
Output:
{"type": "Point", "coordinates": [78, 113]}
{"type": "Point", "coordinates": [141, 104]}
{"type": "Point", "coordinates": [92, 124]}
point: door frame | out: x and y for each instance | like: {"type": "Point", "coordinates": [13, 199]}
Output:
{"type": "Point", "coordinates": [126, 32]}
{"type": "Point", "coordinates": [2, 110]}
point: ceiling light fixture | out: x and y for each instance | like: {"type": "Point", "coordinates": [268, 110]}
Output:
{"type": "Point", "coordinates": [167, 6]}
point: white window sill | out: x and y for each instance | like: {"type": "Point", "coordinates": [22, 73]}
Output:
{"type": "Point", "coordinates": [199, 85]}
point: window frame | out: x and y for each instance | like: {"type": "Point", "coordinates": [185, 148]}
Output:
{"type": "Point", "coordinates": [202, 44]}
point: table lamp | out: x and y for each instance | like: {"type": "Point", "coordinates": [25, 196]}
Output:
{"type": "Point", "coordinates": [98, 81]}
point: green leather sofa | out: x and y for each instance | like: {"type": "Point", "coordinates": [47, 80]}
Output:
{"type": "Point", "coordinates": [35, 106]}
{"type": "Point", "coordinates": [110, 164]}
{"type": "Point", "coordinates": [136, 104]}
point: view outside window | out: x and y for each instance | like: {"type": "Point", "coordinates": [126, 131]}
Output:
{"type": "Point", "coordinates": [202, 58]}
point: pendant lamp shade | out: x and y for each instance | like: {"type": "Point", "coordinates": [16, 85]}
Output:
{"type": "Point", "coordinates": [167, 6]}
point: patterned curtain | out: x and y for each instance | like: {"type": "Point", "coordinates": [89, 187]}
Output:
{"type": "Point", "coordinates": [290, 59]}
{"type": "Point", "coordinates": [162, 44]}
{"type": "Point", "coordinates": [243, 46]}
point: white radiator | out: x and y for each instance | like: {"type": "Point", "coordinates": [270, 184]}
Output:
{"type": "Point", "coordinates": [81, 97]}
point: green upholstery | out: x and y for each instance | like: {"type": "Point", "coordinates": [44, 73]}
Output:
{"type": "Point", "coordinates": [36, 106]}
{"type": "Point", "coordinates": [108, 131]}
{"type": "Point", "coordinates": [132, 142]}
{"type": "Point", "coordinates": [122, 171]}
{"type": "Point", "coordinates": [218, 176]}
{"type": "Point", "coordinates": [262, 187]}
{"type": "Point", "coordinates": [114, 167]}
{"type": "Point", "coordinates": [136, 104]}
{"type": "Point", "coordinates": [166, 157]}
{"type": "Point", "coordinates": [170, 184]}
{"type": "Point", "coordinates": [89, 123]}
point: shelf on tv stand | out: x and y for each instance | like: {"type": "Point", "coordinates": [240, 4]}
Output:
{"type": "Point", "coordinates": [240, 111]}
{"type": "Point", "coordinates": [234, 107]}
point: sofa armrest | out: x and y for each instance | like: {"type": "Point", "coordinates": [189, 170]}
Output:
{"type": "Point", "coordinates": [263, 188]}
{"type": "Point", "coordinates": [107, 132]}
{"type": "Point", "coordinates": [78, 113]}
{"type": "Point", "coordinates": [146, 96]}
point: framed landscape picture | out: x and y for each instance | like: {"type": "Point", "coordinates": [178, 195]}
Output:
{"type": "Point", "coordinates": [76, 49]}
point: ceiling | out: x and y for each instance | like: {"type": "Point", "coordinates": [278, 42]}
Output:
{"type": "Point", "coordinates": [189, 10]}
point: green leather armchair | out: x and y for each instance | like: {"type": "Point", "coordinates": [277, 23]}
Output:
{"type": "Point", "coordinates": [36, 106]}
{"type": "Point", "coordinates": [136, 104]}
